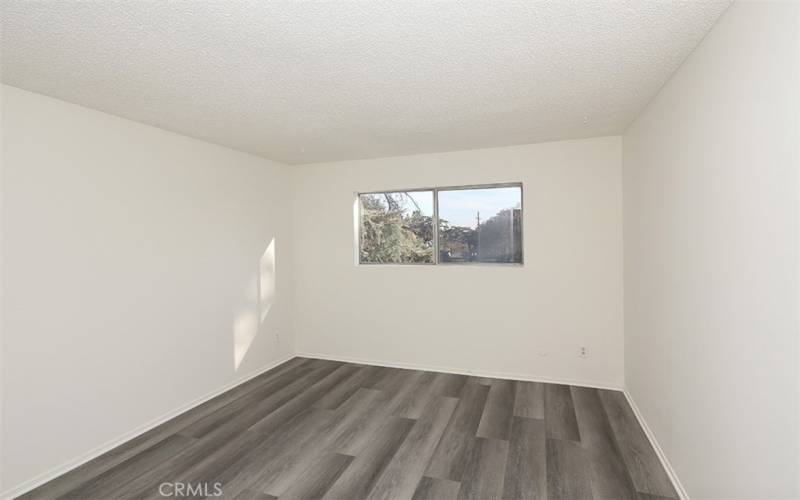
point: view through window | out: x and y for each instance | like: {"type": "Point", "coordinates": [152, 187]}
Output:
{"type": "Point", "coordinates": [396, 227]}
{"type": "Point", "coordinates": [474, 224]}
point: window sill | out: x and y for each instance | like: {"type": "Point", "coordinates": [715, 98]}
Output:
{"type": "Point", "coordinates": [449, 264]}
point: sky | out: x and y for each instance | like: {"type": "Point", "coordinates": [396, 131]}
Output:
{"type": "Point", "coordinates": [460, 207]}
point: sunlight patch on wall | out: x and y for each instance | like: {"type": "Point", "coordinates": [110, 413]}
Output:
{"type": "Point", "coordinates": [267, 279]}
{"type": "Point", "coordinates": [254, 308]}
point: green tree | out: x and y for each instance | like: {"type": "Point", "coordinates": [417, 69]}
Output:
{"type": "Point", "coordinates": [394, 230]}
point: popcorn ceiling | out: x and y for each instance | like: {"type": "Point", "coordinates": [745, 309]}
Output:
{"type": "Point", "coordinates": [308, 82]}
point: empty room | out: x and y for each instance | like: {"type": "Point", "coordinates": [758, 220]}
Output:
{"type": "Point", "coordinates": [475, 249]}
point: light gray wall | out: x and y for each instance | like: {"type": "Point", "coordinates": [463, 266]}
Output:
{"type": "Point", "coordinates": [134, 266]}
{"type": "Point", "coordinates": [2, 287]}
{"type": "Point", "coordinates": [521, 321]}
{"type": "Point", "coordinates": [711, 246]}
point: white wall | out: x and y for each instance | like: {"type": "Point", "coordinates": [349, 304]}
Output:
{"type": "Point", "coordinates": [2, 287]}
{"type": "Point", "coordinates": [528, 321]}
{"type": "Point", "coordinates": [797, 160]}
{"type": "Point", "coordinates": [711, 246]}
{"type": "Point", "coordinates": [131, 267]}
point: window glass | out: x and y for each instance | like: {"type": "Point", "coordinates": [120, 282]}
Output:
{"type": "Point", "coordinates": [396, 227]}
{"type": "Point", "coordinates": [480, 225]}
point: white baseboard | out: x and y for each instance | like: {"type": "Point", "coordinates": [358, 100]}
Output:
{"type": "Point", "coordinates": [30, 484]}
{"type": "Point", "coordinates": [660, 452]}
{"type": "Point", "coordinates": [461, 371]}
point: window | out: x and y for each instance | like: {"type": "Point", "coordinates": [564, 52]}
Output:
{"type": "Point", "coordinates": [470, 224]}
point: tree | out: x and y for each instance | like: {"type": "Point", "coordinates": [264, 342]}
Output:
{"type": "Point", "coordinates": [500, 237]}
{"type": "Point", "coordinates": [456, 241]}
{"type": "Point", "coordinates": [497, 239]}
{"type": "Point", "coordinates": [391, 231]}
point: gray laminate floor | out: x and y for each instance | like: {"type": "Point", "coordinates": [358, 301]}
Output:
{"type": "Point", "coordinates": [322, 429]}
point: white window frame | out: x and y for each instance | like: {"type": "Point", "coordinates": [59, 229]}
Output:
{"type": "Point", "coordinates": [435, 221]}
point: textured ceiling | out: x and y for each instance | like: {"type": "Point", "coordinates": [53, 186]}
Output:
{"type": "Point", "coordinates": [303, 82]}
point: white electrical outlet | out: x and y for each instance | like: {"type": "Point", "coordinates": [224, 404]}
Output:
{"type": "Point", "coordinates": [584, 352]}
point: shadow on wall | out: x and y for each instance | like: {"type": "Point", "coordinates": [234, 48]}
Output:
{"type": "Point", "coordinates": [255, 306]}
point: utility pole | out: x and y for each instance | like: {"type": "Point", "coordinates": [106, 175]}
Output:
{"type": "Point", "coordinates": [478, 233]}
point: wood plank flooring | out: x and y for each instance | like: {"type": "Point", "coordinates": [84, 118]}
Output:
{"type": "Point", "coordinates": [322, 429]}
